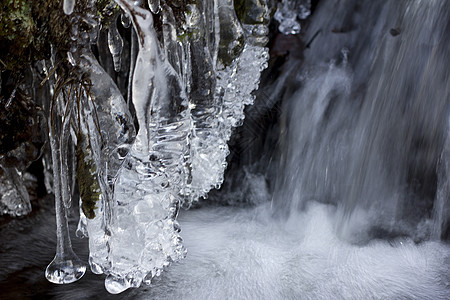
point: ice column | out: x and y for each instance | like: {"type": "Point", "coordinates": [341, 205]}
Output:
{"type": "Point", "coordinates": [66, 267]}
{"type": "Point", "coordinates": [105, 134]}
{"type": "Point", "coordinates": [144, 234]}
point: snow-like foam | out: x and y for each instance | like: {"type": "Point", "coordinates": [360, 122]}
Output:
{"type": "Point", "coordinates": [245, 254]}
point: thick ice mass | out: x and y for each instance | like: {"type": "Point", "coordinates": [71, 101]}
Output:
{"type": "Point", "coordinates": [186, 109]}
{"type": "Point", "coordinates": [193, 68]}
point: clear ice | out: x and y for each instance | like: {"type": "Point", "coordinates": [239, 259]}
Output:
{"type": "Point", "coordinates": [182, 91]}
{"type": "Point", "coordinates": [184, 77]}
{"type": "Point", "coordinates": [68, 6]}
{"type": "Point", "coordinates": [66, 267]}
{"type": "Point", "coordinates": [288, 14]}
{"type": "Point", "coordinates": [14, 198]}
{"type": "Point", "coordinates": [189, 81]}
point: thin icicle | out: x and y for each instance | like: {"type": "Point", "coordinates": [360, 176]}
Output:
{"type": "Point", "coordinates": [66, 267]}
{"type": "Point", "coordinates": [115, 44]}
{"type": "Point", "coordinates": [133, 51]}
{"type": "Point", "coordinates": [65, 179]}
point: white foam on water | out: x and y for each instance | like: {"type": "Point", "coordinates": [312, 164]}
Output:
{"type": "Point", "coordinates": [246, 254]}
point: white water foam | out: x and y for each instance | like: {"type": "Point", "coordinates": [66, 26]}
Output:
{"type": "Point", "coordinates": [246, 254]}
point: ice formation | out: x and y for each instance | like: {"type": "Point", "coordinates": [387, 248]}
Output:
{"type": "Point", "coordinates": [184, 77]}
{"type": "Point", "coordinates": [68, 6]}
{"type": "Point", "coordinates": [66, 267]}
{"type": "Point", "coordinates": [288, 14]}
{"type": "Point", "coordinates": [14, 198]}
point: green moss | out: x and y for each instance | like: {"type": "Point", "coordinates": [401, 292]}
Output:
{"type": "Point", "coordinates": [27, 29]}
{"type": "Point", "coordinates": [87, 177]}
{"type": "Point", "coordinates": [17, 29]}
{"type": "Point", "coordinates": [106, 10]}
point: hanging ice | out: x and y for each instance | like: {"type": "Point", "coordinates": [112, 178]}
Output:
{"type": "Point", "coordinates": [105, 135]}
{"type": "Point", "coordinates": [144, 233]}
{"type": "Point", "coordinates": [162, 164]}
{"type": "Point", "coordinates": [115, 44]}
{"type": "Point", "coordinates": [195, 70]}
{"type": "Point", "coordinates": [66, 267]}
{"type": "Point", "coordinates": [225, 70]}
{"type": "Point", "coordinates": [68, 6]}
{"type": "Point", "coordinates": [288, 13]}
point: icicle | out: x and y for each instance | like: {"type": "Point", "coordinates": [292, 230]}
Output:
{"type": "Point", "coordinates": [68, 6]}
{"type": "Point", "coordinates": [206, 143]}
{"type": "Point", "coordinates": [94, 216]}
{"type": "Point", "coordinates": [66, 267]}
{"type": "Point", "coordinates": [65, 141]}
{"type": "Point", "coordinates": [104, 134]}
{"type": "Point", "coordinates": [170, 38]}
{"type": "Point", "coordinates": [133, 51]}
{"type": "Point", "coordinates": [231, 35]}
{"type": "Point", "coordinates": [218, 98]}
{"type": "Point", "coordinates": [154, 6]}
{"type": "Point", "coordinates": [115, 44]}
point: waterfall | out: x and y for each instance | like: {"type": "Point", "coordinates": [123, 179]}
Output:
{"type": "Point", "coordinates": [368, 124]}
